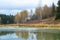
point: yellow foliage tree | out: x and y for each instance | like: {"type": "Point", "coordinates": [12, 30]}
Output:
{"type": "Point", "coordinates": [24, 15]}
{"type": "Point", "coordinates": [17, 18]}
{"type": "Point", "coordinates": [46, 11]}
{"type": "Point", "coordinates": [38, 13]}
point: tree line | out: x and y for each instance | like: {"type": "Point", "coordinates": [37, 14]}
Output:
{"type": "Point", "coordinates": [40, 13]}
{"type": "Point", "coordinates": [6, 19]}
{"type": "Point", "coordinates": [58, 11]}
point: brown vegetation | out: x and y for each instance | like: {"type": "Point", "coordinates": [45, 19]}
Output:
{"type": "Point", "coordinates": [49, 22]}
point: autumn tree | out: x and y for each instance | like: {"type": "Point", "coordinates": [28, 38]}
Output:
{"type": "Point", "coordinates": [46, 12]}
{"type": "Point", "coordinates": [38, 13]}
{"type": "Point", "coordinates": [41, 13]}
{"type": "Point", "coordinates": [24, 15]}
{"type": "Point", "coordinates": [17, 18]}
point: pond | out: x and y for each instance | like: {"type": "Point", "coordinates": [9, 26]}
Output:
{"type": "Point", "coordinates": [29, 34]}
{"type": "Point", "coordinates": [10, 37]}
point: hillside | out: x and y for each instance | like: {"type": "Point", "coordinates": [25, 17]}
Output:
{"type": "Point", "coordinates": [49, 22]}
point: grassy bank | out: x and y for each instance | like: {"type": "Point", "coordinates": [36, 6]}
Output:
{"type": "Point", "coordinates": [32, 25]}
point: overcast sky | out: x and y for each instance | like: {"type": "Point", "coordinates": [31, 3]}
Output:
{"type": "Point", "coordinates": [13, 6]}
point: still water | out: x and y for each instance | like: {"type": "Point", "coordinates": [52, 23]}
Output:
{"type": "Point", "coordinates": [10, 37]}
{"type": "Point", "coordinates": [31, 34]}
{"type": "Point", "coordinates": [13, 36]}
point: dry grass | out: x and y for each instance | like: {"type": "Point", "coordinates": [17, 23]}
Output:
{"type": "Point", "coordinates": [39, 25]}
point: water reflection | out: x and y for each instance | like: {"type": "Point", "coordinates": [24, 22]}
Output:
{"type": "Point", "coordinates": [19, 35]}
{"type": "Point", "coordinates": [30, 34]}
{"type": "Point", "coordinates": [10, 37]}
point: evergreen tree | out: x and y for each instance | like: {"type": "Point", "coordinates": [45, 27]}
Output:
{"type": "Point", "coordinates": [53, 10]}
{"type": "Point", "coordinates": [58, 11]}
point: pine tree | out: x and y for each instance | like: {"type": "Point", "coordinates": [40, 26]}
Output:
{"type": "Point", "coordinates": [53, 10]}
{"type": "Point", "coordinates": [58, 11]}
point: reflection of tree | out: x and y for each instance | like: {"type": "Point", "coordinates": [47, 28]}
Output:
{"type": "Point", "coordinates": [5, 32]}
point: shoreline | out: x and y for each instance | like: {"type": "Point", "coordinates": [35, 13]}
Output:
{"type": "Point", "coordinates": [32, 25]}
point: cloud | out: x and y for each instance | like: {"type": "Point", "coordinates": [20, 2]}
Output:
{"type": "Point", "coordinates": [49, 2]}
{"type": "Point", "coordinates": [14, 12]}
{"type": "Point", "coordinates": [24, 4]}
{"type": "Point", "coordinates": [18, 4]}
{"type": "Point", "coordinates": [14, 6]}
